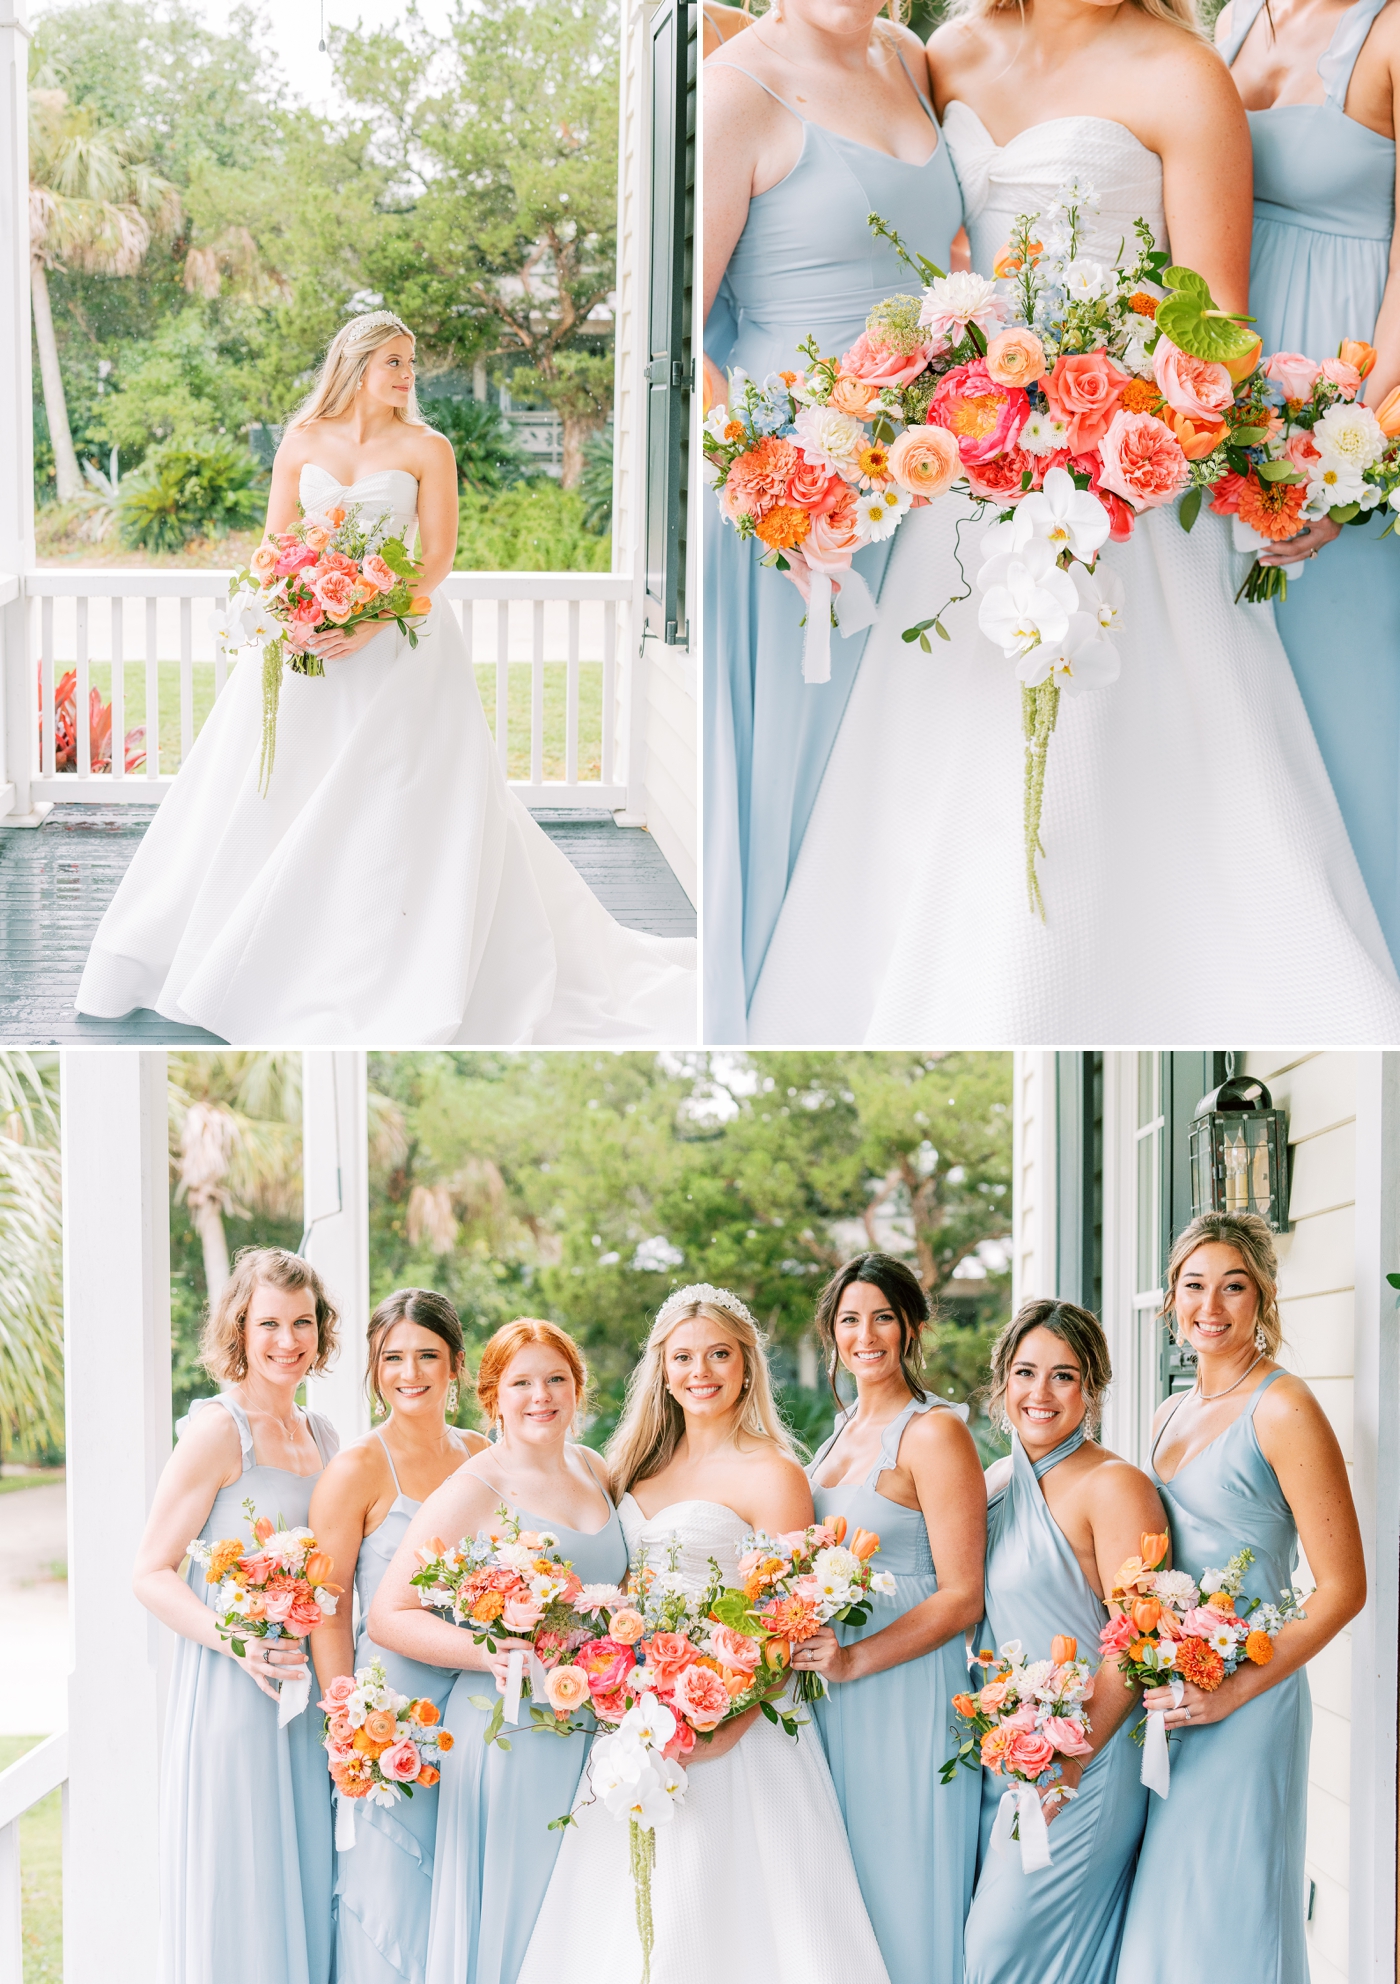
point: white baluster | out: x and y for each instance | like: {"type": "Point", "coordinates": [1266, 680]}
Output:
{"type": "Point", "coordinates": [84, 744]}
{"type": "Point", "coordinates": [46, 714]}
{"type": "Point", "coordinates": [537, 697]}
{"type": "Point", "coordinates": [118, 607]}
{"type": "Point", "coordinates": [571, 700]}
{"type": "Point", "coordinates": [186, 680]}
{"type": "Point", "coordinates": [609, 690]}
{"type": "Point", "coordinates": [502, 678]}
{"type": "Point", "coordinates": [152, 691]}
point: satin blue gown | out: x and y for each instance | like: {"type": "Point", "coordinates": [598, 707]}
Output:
{"type": "Point", "coordinates": [245, 1809]}
{"type": "Point", "coordinates": [1324, 214]}
{"type": "Point", "coordinates": [1231, 1836]}
{"type": "Point", "coordinates": [805, 262]}
{"type": "Point", "coordinates": [1063, 1924]}
{"type": "Point", "coordinates": [885, 1737]}
{"type": "Point", "coordinates": [384, 1883]}
{"type": "Point", "coordinates": [495, 1852]}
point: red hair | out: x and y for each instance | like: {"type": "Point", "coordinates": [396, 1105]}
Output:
{"type": "Point", "coordinates": [513, 1337]}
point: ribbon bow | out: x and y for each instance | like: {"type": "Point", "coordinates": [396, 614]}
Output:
{"type": "Point", "coordinates": [1020, 1820]}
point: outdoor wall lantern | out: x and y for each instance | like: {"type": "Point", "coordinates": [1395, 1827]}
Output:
{"type": "Point", "coordinates": [1239, 1153]}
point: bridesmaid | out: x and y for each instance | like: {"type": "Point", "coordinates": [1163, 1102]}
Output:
{"type": "Point", "coordinates": [495, 1852]}
{"type": "Point", "coordinates": [1247, 1458]}
{"type": "Point", "coordinates": [1063, 1513]}
{"type": "Point", "coordinates": [245, 1808]}
{"type": "Point", "coordinates": [814, 115]}
{"type": "Point", "coordinates": [903, 1464]}
{"type": "Point", "coordinates": [361, 1507]}
{"type": "Point", "coordinates": [1318, 80]}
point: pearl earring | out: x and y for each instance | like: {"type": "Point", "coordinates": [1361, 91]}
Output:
{"type": "Point", "coordinates": [1261, 1342]}
{"type": "Point", "coordinates": [452, 1397]}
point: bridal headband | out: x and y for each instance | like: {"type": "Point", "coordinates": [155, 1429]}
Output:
{"type": "Point", "coordinates": [716, 1298]}
{"type": "Point", "coordinates": [373, 320]}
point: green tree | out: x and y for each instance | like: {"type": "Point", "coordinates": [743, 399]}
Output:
{"type": "Point", "coordinates": [235, 1145]}
{"type": "Point", "coordinates": [31, 1254]}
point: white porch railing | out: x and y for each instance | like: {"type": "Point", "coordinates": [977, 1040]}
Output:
{"type": "Point", "coordinates": [554, 653]}
{"type": "Point", "coordinates": [38, 1772]}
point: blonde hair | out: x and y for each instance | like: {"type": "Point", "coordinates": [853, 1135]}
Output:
{"type": "Point", "coordinates": [1176, 13]}
{"type": "Point", "coordinates": [223, 1343]}
{"type": "Point", "coordinates": [343, 367]}
{"type": "Point", "coordinates": [513, 1337]}
{"type": "Point", "coordinates": [1251, 1239]}
{"type": "Point", "coordinates": [652, 1422]}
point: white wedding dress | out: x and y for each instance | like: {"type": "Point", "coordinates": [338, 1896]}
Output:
{"type": "Point", "coordinates": [753, 1876]}
{"type": "Point", "coordinates": [1199, 883]}
{"type": "Point", "coordinates": [390, 889]}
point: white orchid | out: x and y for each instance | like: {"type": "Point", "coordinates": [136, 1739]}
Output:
{"type": "Point", "coordinates": [649, 1721]}
{"type": "Point", "coordinates": [1030, 603]}
{"type": "Point", "coordinates": [1066, 518]}
{"type": "Point", "coordinates": [1100, 595]}
{"type": "Point", "coordinates": [1084, 660]}
{"type": "Point", "coordinates": [953, 302]}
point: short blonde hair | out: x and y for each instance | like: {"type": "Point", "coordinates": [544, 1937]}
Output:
{"type": "Point", "coordinates": [1177, 13]}
{"type": "Point", "coordinates": [343, 367]}
{"type": "Point", "coordinates": [1251, 1239]}
{"type": "Point", "coordinates": [223, 1343]}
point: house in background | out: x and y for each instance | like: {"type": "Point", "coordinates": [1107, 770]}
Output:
{"type": "Point", "coordinates": [1102, 1183]}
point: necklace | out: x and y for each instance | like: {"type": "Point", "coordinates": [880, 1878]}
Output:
{"type": "Point", "coordinates": [1207, 1397]}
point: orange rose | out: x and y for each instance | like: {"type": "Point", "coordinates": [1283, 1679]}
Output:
{"type": "Point", "coordinates": [1153, 1547]}
{"type": "Point", "coordinates": [1063, 1649]}
{"type": "Point", "coordinates": [1083, 391]}
{"type": "Point", "coordinates": [424, 1712]}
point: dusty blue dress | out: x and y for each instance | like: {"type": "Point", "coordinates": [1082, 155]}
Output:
{"type": "Point", "coordinates": [885, 1737]}
{"type": "Point", "coordinates": [805, 262]}
{"type": "Point", "coordinates": [1231, 1835]}
{"type": "Point", "coordinates": [495, 1852]}
{"type": "Point", "coordinates": [384, 1882]}
{"type": "Point", "coordinates": [245, 1807]}
{"type": "Point", "coordinates": [1324, 213]}
{"type": "Point", "coordinates": [1063, 1924]}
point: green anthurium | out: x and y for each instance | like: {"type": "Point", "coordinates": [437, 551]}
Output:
{"type": "Point", "coordinates": [1188, 316]}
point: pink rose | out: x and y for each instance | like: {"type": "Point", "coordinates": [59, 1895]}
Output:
{"type": "Point", "coordinates": [1302, 450]}
{"type": "Point", "coordinates": [993, 1695]}
{"type": "Point", "coordinates": [1023, 1718]}
{"type": "Point", "coordinates": [1193, 386]}
{"type": "Point", "coordinates": [339, 1692]}
{"type": "Point", "coordinates": [1029, 1753]}
{"type": "Point", "coordinates": [335, 592]}
{"type": "Point", "coordinates": [835, 535]}
{"type": "Point", "coordinates": [303, 1614]}
{"type": "Point", "coordinates": [1203, 1620]}
{"type": "Point", "coordinates": [1083, 391]}
{"type": "Point", "coordinates": [260, 1568]}
{"type": "Point", "coordinates": [401, 1762]}
{"type": "Point", "coordinates": [1343, 375]}
{"type": "Point", "coordinates": [874, 364]}
{"type": "Point", "coordinates": [340, 1728]}
{"type": "Point", "coordinates": [1292, 373]}
{"type": "Point", "coordinates": [1067, 1737]}
{"type": "Point", "coordinates": [521, 1615]}
{"type": "Point", "coordinates": [701, 1697]}
{"type": "Point", "coordinates": [605, 1662]}
{"type": "Point", "coordinates": [925, 461]}
{"type": "Point", "coordinates": [733, 1649]}
{"type": "Point", "coordinates": [307, 612]}
{"type": "Point", "coordinates": [378, 573]}
{"type": "Point", "coordinates": [1142, 460]}
{"type": "Point", "coordinates": [1118, 1635]}
{"type": "Point", "coordinates": [985, 418]}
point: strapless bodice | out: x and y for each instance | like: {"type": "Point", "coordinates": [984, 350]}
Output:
{"type": "Point", "coordinates": [388, 493]}
{"type": "Point", "coordinates": [1000, 182]}
{"type": "Point", "coordinates": [701, 1530]}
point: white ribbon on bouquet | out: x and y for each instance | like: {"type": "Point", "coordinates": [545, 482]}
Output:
{"type": "Point", "coordinates": [1156, 1764]}
{"type": "Point", "coordinates": [344, 1823]}
{"type": "Point", "coordinates": [820, 586]}
{"type": "Point", "coordinates": [515, 1680]}
{"type": "Point", "coordinates": [292, 1697]}
{"type": "Point", "coordinates": [1020, 1808]}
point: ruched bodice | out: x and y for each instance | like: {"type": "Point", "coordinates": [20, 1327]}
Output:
{"type": "Point", "coordinates": [697, 1530]}
{"type": "Point", "coordinates": [1036, 1587]}
{"type": "Point", "coordinates": [1000, 182]}
{"type": "Point", "coordinates": [903, 1533]}
{"type": "Point", "coordinates": [389, 493]}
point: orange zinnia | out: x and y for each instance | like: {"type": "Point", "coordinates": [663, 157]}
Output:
{"type": "Point", "coordinates": [784, 527]}
{"type": "Point", "coordinates": [1140, 396]}
{"type": "Point", "coordinates": [1259, 1648]}
{"type": "Point", "coordinates": [1200, 1664]}
{"type": "Point", "coordinates": [445, 1739]}
{"type": "Point", "coordinates": [1274, 509]}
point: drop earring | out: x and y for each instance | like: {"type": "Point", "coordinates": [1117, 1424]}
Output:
{"type": "Point", "coordinates": [452, 1398]}
{"type": "Point", "coordinates": [1260, 1340]}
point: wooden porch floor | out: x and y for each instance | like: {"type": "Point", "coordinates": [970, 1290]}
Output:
{"type": "Point", "coordinates": [56, 880]}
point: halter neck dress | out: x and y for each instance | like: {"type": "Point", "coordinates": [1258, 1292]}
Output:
{"type": "Point", "coordinates": [806, 262]}
{"type": "Point", "coordinates": [495, 1852]}
{"type": "Point", "coordinates": [1231, 1835]}
{"type": "Point", "coordinates": [247, 1862]}
{"type": "Point", "coordinates": [384, 1883]}
{"type": "Point", "coordinates": [1063, 1924]}
{"type": "Point", "coordinates": [1324, 215]}
{"type": "Point", "coordinates": [909, 1834]}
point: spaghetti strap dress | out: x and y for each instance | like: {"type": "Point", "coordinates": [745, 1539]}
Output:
{"type": "Point", "coordinates": [495, 1852]}
{"type": "Point", "coordinates": [806, 262]}
{"type": "Point", "coordinates": [246, 1856]}
{"type": "Point", "coordinates": [1231, 1835]}
{"type": "Point", "coordinates": [1324, 215]}
{"type": "Point", "coordinates": [384, 1883]}
{"type": "Point", "coordinates": [910, 1835]}
{"type": "Point", "coordinates": [1063, 1924]}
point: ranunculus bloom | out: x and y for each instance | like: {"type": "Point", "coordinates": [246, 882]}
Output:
{"type": "Point", "coordinates": [735, 1649]}
{"type": "Point", "coordinates": [1142, 460]}
{"type": "Point", "coordinates": [925, 460]}
{"type": "Point", "coordinates": [339, 1728]}
{"type": "Point", "coordinates": [1343, 375]}
{"type": "Point", "coordinates": [380, 1725]}
{"type": "Point", "coordinates": [1029, 1752]}
{"type": "Point", "coordinates": [566, 1688]}
{"type": "Point", "coordinates": [263, 562]}
{"type": "Point", "coordinates": [626, 1626]}
{"type": "Point", "coordinates": [1292, 373]}
{"type": "Point", "coordinates": [378, 573]}
{"type": "Point", "coordinates": [853, 396]}
{"type": "Point", "coordinates": [701, 1697]}
{"type": "Point", "coordinates": [985, 418]}
{"type": "Point", "coordinates": [876, 365]}
{"type": "Point", "coordinates": [316, 538]}
{"type": "Point", "coordinates": [1194, 386]}
{"type": "Point", "coordinates": [402, 1762]}
{"type": "Point", "coordinates": [605, 1662]}
{"type": "Point", "coordinates": [1065, 1735]}
{"type": "Point", "coordinates": [1016, 357]}
{"type": "Point", "coordinates": [1083, 391]}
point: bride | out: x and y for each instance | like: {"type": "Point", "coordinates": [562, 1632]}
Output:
{"type": "Point", "coordinates": [1198, 879]}
{"type": "Point", "coordinates": [757, 1859]}
{"type": "Point", "coordinates": [389, 888]}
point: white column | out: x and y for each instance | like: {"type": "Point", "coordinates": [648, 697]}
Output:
{"type": "Point", "coordinates": [116, 1268]}
{"type": "Point", "coordinates": [16, 419]}
{"type": "Point", "coordinates": [1376, 1485]}
{"type": "Point", "coordinates": [335, 1188]}
{"type": "Point", "coordinates": [1033, 1245]}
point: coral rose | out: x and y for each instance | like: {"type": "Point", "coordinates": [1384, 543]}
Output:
{"type": "Point", "coordinates": [701, 1697]}
{"type": "Point", "coordinates": [1292, 373]}
{"type": "Point", "coordinates": [1142, 460]}
{"type": "Point", "coordinates": [735, 1649]}
{"type": "Point", "coordinates": [566, 1688]}
{"type": "Point", "coordinates": [874, 364]}
{"type": "Point", "coordinates": [1225, 494]}
{"type": "Point", "coordinates": [1118, 1635]}
{"type": "Point", "coordinates": [681, 1744]}
{"type": "Point", "coordinates": [1194, 386]}
{"type": "Point", "coordinates": [378, 573]}
{"type": "Point", "coordinates": [1302, 450]}
{"type": "Point", "coordinates": [993, 1695]}
{"type": "Point", "coordinates": [1004, 480]}
{"type": "Point", "coordinates": [814, 489]}
{"type": "Point", "coordinates": [334, 592]}
{"type": "Point", "coordinates": [835, 534]}
{"type": "Point", "coordinates": [668, 1655]}
{"type": "Point", "coordinates": [401, 1762]}
{"type": "Point", "coordinates": [1015, 357]}
{"type": "Point", "coordinates": [1067, 1736]}
{"type": "Point", "coordinates": [984, 417]}
{"type": "Point", "coordinates": [1029, 1752]}
{"type": "Point", "coordinates": [925, 460]}
{"type": "Point", "coordinates": [1083, 391]}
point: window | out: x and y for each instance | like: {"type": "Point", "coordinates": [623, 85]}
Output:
{"type": "Point", "coordinates": [674, 54]}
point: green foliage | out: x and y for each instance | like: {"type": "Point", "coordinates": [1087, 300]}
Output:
{"type": "Point", "coordinates": [31, 1248]}
{"type": "Point", "coordinates": [181, 383]}
{"type": "Point", "coordinates": [596, 483]}
{"type": "Point", "coordinates": [488, 457]}
{"type": "Point", "coordinates": [203, 487]}
{"type": "Point", "coordinates": [533, 527]}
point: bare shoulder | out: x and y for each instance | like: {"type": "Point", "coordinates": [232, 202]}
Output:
{"type": "Point", "coordinates": [474, 1442]}
{"type": "Point", "coordinates": [1197, 82]}
{"type": "Point", "coordinates": [1289, 1406]}
{"type": "Point", "coordinates": [297, 448]}
{"type": "Point", "coordinates": [896, 36]}
{"type": "Point", "coordinates": [357, 1469]}
{"type": "Point", "coordinates": [775, 1468]}
{"type": "Point", "coordinates": [1116, 1480]}
{"type": "Point", "coordinates": [433, 449]}
{"type": "Point", "coordinates": [936, 1436]}
{"type": "Point", "coordinates": [596, 1465]}
{"type": "Point", "coordinates": [958, 47]}
{"type": "Point", "coordinates": [210, 1439]}
{"type": "Point", "coordinates": [735, 98]}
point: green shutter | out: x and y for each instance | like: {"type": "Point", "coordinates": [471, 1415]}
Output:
{"type": "Point", "coordinates": [674, 54]}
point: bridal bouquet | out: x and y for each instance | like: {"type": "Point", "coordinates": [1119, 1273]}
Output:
{"type": "Point", "coordinates": [1028, 1715]}
{"type": "Point", "coordinates": [326, 571]}
{"type": "Point", "coordinates": [1306, 451]}
{"type": "Point", "coordinates": [1167, 1630]}
{"type": "Point", "coordinates": [278, 1589]}
{"type": "Point", "coordinates": [378, 1743]}
{"type": "Point", "coordinates": [804, 1579]}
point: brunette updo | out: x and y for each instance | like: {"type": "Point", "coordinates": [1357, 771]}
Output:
{"type": "Point", "coordinates": [426, 1308]}
{"type": "Point", "coordinates": [1079, 1330]}
{"type": "Point", "coordinates": [512, 1337]}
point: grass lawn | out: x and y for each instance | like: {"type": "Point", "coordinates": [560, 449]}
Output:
{"type": "Point", "coordinates": [10, 1484]}
{"type": "Point", "coordinates": [41, 1863]}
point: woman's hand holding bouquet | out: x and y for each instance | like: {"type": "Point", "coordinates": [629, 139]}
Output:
{"type": "Point", "coordinates": [1023, 1721]}
{"type": "Point", "coordinates": [279, 1589]}
{"type": "Point", "coordinates": [378, 1743]}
